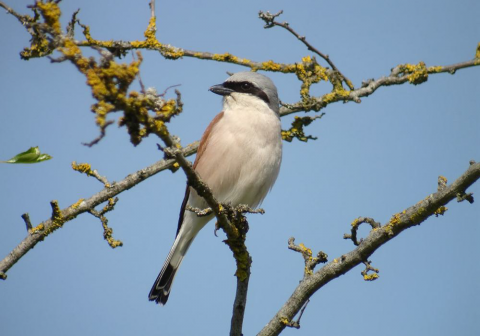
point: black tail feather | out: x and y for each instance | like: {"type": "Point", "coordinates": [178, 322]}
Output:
{"type": "Point", "coordinates": [161, 288]}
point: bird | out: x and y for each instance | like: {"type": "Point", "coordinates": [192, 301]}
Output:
{"type": "Point", "coordinates": [239, 158]}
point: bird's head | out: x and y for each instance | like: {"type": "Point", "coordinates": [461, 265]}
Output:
{"type": "Point", "coordinates": [249, 86]}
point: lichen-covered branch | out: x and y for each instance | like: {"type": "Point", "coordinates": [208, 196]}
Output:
{"type": "Point", "coordinates": [147, 113]}
{"type": "Point", "coordinates": [413, 74]}
{"type": "Point", "coordinates": [110, 81]}
{"type": "Point", "coordinates": [356, 224]}
{"type": "Point", "coordinates": [38, 233]}
{"type": "Point", "coordinates": [377, 237]}
{"type": "Point", "coordinates": [310, 261]}
{"type": "Point", "coordinates": [107, 231]}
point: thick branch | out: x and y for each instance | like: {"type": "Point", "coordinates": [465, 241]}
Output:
{"type": "Point", "coordinates": [412, 216]}
{"type": "Point", "coordinates": [87, 205]}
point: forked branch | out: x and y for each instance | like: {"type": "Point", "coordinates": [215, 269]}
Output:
{"type": "Point", "coordinates": [399, 222]}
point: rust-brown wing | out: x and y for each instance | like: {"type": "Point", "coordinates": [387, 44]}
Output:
{"type": "Point", "coordinates": [200, 151]}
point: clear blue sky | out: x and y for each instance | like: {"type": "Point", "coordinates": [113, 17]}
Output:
{"type": "Point", "coordinates": [371, 159]}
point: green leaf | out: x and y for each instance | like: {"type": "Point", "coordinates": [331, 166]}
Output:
{"type": "Point", "coordinates": [32, 155]}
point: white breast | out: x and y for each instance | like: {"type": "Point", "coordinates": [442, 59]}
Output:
{"type": "Point", "coordinates": [242, 159]}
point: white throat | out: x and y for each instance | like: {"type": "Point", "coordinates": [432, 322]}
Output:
{"type": "Point", "coordinates": [246, 102]}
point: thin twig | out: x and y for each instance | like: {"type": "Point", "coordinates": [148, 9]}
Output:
{"type": "Point", "coordinates": [107, 231]}
{"type": "Point", "coordinates": [142, 86]}
{"type": "Point", "coordinates": [296, 324]}
{"type": "Point", "coordinates": [310, 262]}
{"type": "Point", "coordinates": [103, 132]}
{"type": "Point", "coordinates": [369, 268]}
{"type": "Point", "coordinates": [86, 168]}
{"type": "Point", "coordinates": [356, 224]}
{"type": "Point", "coordinates": [152, 8]}
{"type": "Point", "coordinates": [24, 19]}
{"type": "Point", "coordinates": [270, 22]}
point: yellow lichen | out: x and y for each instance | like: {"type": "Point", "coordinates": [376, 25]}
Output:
{"type": "Point", "coordinates": [38, 48]}
{"type": "Point", "coordinates": [393, 221]}
{"type": "Point", "coordinates": [77, 204]}
{"type": "Point", "coordinates": [284, 320]}
{"type": "Point", "coordinates": [109, 205]}
{"type": "Point", "coordinates": [102, 108]}
{"type": "Point", "coordinates": [168, 109]}
{"type": "Point", "coordinates": [151, 41]}
{"type": "Point", "coordinates": [370, 277]}
{"type": "Point", "coordinates": [417, 73]}
{"type": "Point", "coordinates": [227, 57]}
{"type": "Point", "coordinates": [107, 234]}
{"type": "Point", "coordinates": [433, 69]}
{"type": "Point", "coordinates": [160, 128]}
{"type": "Point", "coordinates": [477, 52]}
{"type": "Point", "coordinates": [305, 249]}
{"type": "Point", "coordinates": [38, 228]}
{"type": "Point", "coordinates": [335, 95]}
{"type": "Point", "coordinates": [173, 53]}
{"type": "Point", "coordinates": [271, 66]}
{"type": "Point", "coordinates": [290, 68]}
{"type": "Point", "coordinates": [297, 131]}
{"type": "Point", "coordinates": [82, 168]}
{"type": "Point", "coordinates": [355, 222]}
{"type": "Point", "coordinates": [57, 219]}
{"type": "Point", "coordinates": [92, 41]}
{"type": "Point", "coordinates": [440, 211]}
{"type": "Point", "coordinates": [51, 13]}
{"type": "Point", "coordinates": [151, 29]}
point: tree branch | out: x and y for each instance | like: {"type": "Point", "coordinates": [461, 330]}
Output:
{"type": "Point", "coordinates": [399, 222]}
{"type": "Point", "coordinates": [399, 75]}
{"type": "Point", "coordinates": [414, 74]}
{"type": "Point", "coordinates": [69, 213]}
{"type": "Point", "coordinates": [47, 37]}
{"type": "Point", "coordinates": [270, 22]}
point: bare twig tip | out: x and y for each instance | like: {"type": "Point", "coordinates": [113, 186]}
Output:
{"type": "Point", "coordinates": [26, 218]}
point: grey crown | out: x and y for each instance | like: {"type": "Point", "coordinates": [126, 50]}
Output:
{"type": "Point", "coordinates": [261, 82]}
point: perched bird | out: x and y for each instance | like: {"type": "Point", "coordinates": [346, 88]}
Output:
{"type": "Point", "coordinates": [239, 158]}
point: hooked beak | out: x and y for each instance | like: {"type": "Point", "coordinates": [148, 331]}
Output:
{"type": "Point", "coordinates": [221, 90]}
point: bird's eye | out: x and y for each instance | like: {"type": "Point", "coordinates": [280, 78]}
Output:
{"type": "Point", "coordinates": [246, 86]}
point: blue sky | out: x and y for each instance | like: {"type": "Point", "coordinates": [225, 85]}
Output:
{"type": "Point", "coordinates": [371, 159]}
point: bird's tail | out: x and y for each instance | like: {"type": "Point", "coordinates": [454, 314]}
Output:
{"type": "Point", "coordinates": [161, 288]}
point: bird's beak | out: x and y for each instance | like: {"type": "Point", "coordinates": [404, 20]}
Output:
{"type": "Point", "coordinates": [221, 90]}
